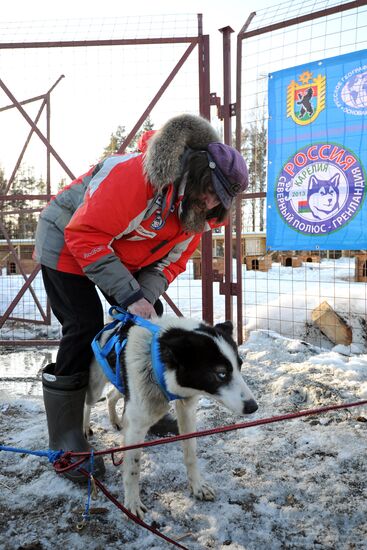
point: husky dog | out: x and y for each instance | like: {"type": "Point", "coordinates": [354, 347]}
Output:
{"type": "Point", "coordinates": [198, 360]}
{"type": "Point", "coordinates": [323, 196]}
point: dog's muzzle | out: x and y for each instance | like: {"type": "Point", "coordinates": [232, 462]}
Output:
{"type": "Point", "coordinates": [250, 406]}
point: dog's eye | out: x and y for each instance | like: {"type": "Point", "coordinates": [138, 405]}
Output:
{"type": "Point", "coordinates": [222, 375]}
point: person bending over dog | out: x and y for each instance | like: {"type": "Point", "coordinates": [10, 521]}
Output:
{"type": "Point", "coordinates": [127, 227]}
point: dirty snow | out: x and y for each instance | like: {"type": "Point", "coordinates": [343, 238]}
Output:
{"type": "Point", "coordinates": [299, 484]}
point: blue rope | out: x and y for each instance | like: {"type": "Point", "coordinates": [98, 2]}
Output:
{"type": "Point", "coordinates": [86, 515]}
{"type": "Point", "coordinates": [51, 455]}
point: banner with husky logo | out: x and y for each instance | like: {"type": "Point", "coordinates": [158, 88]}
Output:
{"type": "Point", "coordinates": [317, 155]}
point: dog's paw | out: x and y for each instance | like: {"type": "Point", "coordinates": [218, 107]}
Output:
{"type": "Point", "coordinates": [136, 507]}
{"type": "Point", "coordinates": [203, 491]}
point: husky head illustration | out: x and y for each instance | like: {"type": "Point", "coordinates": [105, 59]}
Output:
{"type": "Point", "coordinates": [323, 196]}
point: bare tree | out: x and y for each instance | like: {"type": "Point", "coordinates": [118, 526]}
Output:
{"type": "Point", "coordinates": [253, 148]}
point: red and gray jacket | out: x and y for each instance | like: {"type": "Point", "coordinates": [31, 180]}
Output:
{"type": "Point", "coordinates": [119, 223]}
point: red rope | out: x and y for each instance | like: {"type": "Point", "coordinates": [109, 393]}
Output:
{"type": "Point", "coordinates": [64, 463]}
{"type": "Point", "coordinates": [129, 514]}
{"type": "Point", "coordinates": [222, 429]}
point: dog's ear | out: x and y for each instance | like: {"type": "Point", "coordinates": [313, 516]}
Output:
{"type": "Point", "coordinates": [226, 327]}
{"type": "Point", "coordinates": [173, 345]}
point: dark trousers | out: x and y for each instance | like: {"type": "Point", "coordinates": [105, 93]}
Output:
{"type": "Point", "coordinates": [76, 305]}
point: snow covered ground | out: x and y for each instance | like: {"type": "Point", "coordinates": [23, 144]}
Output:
{"type": "Point", "coordinates": [299, 484]}
{"type": "Point", "coordinates": [281, 300]}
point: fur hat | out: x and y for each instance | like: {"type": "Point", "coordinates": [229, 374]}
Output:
{"type": "Point", "coordinates": [163, 159]}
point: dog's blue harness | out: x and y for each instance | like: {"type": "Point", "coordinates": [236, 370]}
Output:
{"type": "Point", "coordinates": [115, 344]}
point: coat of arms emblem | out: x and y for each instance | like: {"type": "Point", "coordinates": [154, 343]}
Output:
{"type": "Point", "coordinates": [306, 99]}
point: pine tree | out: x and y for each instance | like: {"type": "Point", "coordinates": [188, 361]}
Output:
{"type": "Point", "coordinates": [24, 183]}
{"type": "Point", "coordinates": [18, 218]}
{"type": "Point", "coordinates": [61, 184]}
{"type": "Point", "coordinates": [3, 181]}
{"type": "Point", "coordinates": [147, 126]}
{"type": "Point", "coordinates": [118, 137]}
{"type": "Point", "coordinates": [3, 204]}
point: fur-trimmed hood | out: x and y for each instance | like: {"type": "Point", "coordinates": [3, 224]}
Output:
{"type": "Point", "coordinates": [163, 158]}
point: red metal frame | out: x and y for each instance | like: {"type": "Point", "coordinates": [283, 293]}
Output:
{"type": "Point", "coordinates": [206, 242]}
{"type": "Point", "coordinates": [303, 18]}
{"type": "Point", "coordinates": [157, 96]}
{"type": "Point", "coordinates": [227, 287]}
{"type": "Point", "coordinates": [46, 316]}
{"type": "Point", "coordinates": [202, 41]}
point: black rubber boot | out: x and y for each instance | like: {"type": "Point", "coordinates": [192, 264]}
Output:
{"type": "Point", "coordinates": [64, 403]}
{"type": "Point", "coordinates": [165, 426]}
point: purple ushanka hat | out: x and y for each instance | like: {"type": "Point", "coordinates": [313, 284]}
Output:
{"type": "Point", "coordinates": [229, 171]}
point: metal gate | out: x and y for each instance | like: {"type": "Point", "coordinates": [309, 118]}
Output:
{"type": "Point", "coordinates": [32, 202]}
{"type": "Point", "coordinates": [272, 39]}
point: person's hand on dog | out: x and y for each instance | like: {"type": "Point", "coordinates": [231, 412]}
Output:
{"type": "Point", "coordinates": [143, 308]}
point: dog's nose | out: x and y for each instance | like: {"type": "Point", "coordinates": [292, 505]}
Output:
{"type": "Point", "coordinates": [250, 406]}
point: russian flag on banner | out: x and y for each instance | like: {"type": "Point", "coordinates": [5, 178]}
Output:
{"type": "Point", "coordinates": [303, 207]}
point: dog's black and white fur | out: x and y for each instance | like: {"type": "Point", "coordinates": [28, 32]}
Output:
{"type": "Point", "coordinates": [199, 360]}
